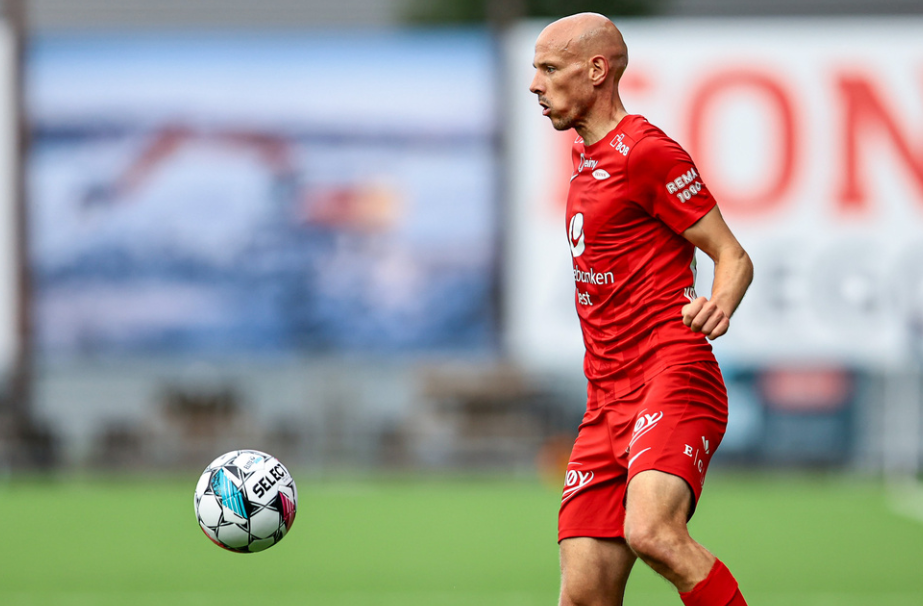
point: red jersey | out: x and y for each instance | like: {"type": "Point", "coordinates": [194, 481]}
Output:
{"type": "Point", "coordinates": [631, 196]}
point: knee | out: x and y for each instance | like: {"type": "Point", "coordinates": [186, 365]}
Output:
{"type": "Point", "coordinates": [656, 542]}
{"type": "Point", "coordinates": [571, 596]}
{"type": "Point", "coordinates": [582, 595]}
{"type": "Point", "coordinates": [590, 586]}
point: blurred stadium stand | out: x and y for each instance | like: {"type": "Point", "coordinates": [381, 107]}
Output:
{"type": "Point", "coordinates": [425, 411]}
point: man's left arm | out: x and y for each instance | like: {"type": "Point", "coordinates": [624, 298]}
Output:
{"type": "Point", "coordinates": [733, 274]}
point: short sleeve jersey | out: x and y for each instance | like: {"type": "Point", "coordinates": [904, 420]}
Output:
{"type": "Point", "coordinates": [631, 196]}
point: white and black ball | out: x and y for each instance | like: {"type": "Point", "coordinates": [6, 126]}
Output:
{"type": "Point", "coordinates": [245, 501]}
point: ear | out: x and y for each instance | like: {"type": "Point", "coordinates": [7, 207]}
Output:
{"type": "Point", "coordinates": [599, 69]}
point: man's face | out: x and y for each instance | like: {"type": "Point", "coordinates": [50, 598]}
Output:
{"type": "Point", "coordinates": [561, 83]}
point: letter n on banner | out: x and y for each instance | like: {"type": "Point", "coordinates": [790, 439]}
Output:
{"type": "Point", "coordinates": [865, 116]}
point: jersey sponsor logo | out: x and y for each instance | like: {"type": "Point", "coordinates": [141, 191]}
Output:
{"type": "Point", "coordinates": [586, 163]}
{"type": "Point", "coordinates": [576, 236]}
{"type": "Point", "coordinates": [619, 145]}
{"type": "Point", "coordinates": [685, 186]}
{"type": "Point", "coordinates": [600, 174]}
{"type": "Point", "coordinates": [682, 181]}
{"type": "Point", "coordinates": [584, 298]}
{"type": "Point", "coordinates": [591, 276]}
{"type": "Point", "coordinates": [574, 481]}
{"type": "Point", "coordinates": [689, 291]}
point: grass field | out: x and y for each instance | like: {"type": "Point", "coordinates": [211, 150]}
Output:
{"type": "Point", "coordinates": [813, 541]}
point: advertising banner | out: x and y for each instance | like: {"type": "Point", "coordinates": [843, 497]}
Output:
{"type": "Point", "coordinates": [810, 134]}
{"type": "Point", "coordinates": [244, 193]}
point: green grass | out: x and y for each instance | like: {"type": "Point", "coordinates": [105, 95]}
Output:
{"type": "Point", "coordinates": [811, 541]}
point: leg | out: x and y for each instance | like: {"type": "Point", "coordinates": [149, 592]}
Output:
{"type": "Point", "coordinates": [594, 571]}
{"type": "Point", "coordinates": [677, 430]}
{"type": "Point", "coordinates": [657, 507]}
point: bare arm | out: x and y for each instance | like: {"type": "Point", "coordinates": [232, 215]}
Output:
{"type": "Point", "coordinates": [733, 274]}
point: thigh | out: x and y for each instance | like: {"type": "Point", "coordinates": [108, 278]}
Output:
{"type": "Point", "coordinates": [658, 498]}
{"type": "Point", "coordinates": [594, 571]}
{"type": "Point", "coordinates": [680, 424]}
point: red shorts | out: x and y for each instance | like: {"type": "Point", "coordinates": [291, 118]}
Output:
{"type": "Point", "coordinates": [672, 424]}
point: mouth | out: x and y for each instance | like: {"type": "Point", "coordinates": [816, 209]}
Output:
{"type": "Point", "coordinates": [546, 109]}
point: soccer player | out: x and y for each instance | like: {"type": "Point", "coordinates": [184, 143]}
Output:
{"type": "Point", "coordinates": [637, 209]}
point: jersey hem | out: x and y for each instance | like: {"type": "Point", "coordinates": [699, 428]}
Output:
{"type": "Point", "coordinates": [600, 385]}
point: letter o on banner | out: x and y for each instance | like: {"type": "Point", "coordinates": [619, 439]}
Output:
{"type": "Point", "coordinates": [710, 90]}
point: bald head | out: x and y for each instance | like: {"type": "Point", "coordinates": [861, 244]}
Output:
{"type": "Point", "coordinates": [578, 63]}
{"type": "Point", "coordinates": [586, 35]}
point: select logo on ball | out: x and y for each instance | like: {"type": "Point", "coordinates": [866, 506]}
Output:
{"type": "Point", "coordinates": [269, 480]}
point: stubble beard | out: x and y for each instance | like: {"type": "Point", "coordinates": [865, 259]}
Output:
{"type": "Point", "coordinates": [564, 123]}
{"type": "Point", "coordinates": [570, 119]}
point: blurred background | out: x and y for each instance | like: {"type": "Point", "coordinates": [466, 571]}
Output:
{"type": "Point", "coordinates": [332, 230]}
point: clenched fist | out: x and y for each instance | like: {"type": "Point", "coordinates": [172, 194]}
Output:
{"type": "Point", "coordinates": [706, 317]}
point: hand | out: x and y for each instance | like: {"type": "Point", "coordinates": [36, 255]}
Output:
{"type": "Point", "coordinates": [706, 317]}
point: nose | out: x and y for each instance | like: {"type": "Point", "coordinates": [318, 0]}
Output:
{"type": "Point", "coordinates": [536, 87]}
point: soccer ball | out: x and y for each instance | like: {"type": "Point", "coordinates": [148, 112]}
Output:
{"type": "Point", "coordinates": [245, 501]}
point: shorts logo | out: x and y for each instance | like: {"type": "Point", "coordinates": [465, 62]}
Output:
{"type": "Point", "coordinates": [632, 459]}
{"type": "Point", "coordinates": [644, 424]}
{"type": "Point", "coordinates": [698, 459]}
{"type": "Point", "coordinates": [574, 481]}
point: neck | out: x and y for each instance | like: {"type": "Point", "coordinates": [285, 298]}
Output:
{"type": "Point", "coordinates": [603, 117]}
{"type": "Point", "coordinates": [593, 131]}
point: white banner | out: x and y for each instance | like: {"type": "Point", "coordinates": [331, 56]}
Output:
{"type": "Point", "coordinates": [810, 134]}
